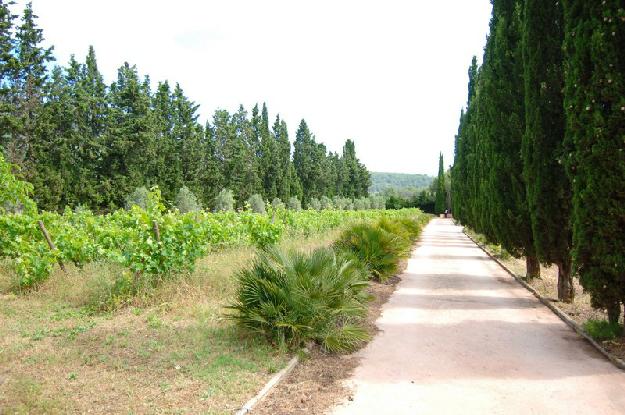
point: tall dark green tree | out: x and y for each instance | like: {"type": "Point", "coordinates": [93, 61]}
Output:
{"type": "Point", "coordinates": [548, 187]}
{"type": "Point", "coordinates": [594, 101]}
{"type": "Point", "coordinates": [8, 72]}
{"type": "Point", "coordinates": [441, 192]}
{"type": "Point", "coordinates": [503, 127]}
{"type": "Point", "coordinates": [130, 138]}
{"type": "Point", "coordinates": [29, 77]}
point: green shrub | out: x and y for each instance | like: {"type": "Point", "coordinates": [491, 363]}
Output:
{"type": "Point", "coordinates": [326, 203]}
{"type": "Point", "coordinates": [139, 197]}
{"type": "Point", "coordinates": [224, 201]}
{"type": "Point", "coordinates": [257, 204]}
{"type": "Point", "coordinates": [186, 201]}
{"type": "Point", "coordinates": [276, 203]}
{"type": "Point", "coordinates": [293, 297]}
{"type": "Point", "coordinates": [601, 330]}
{"type": "Point", "coordinates": [380, 250]}
{"type": "Point", "coordinates": [294, 204]}
{"type": "Point", "coordinates": [314, 204]}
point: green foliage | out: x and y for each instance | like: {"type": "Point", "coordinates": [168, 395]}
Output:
{"type": "Point", "coordinates": [186, 201]}
{"type": "Point", "coordinates": [224, 201]}
{"type": "Point", "coordinates": [440, 204]}
{"type": "Point", "coordinates": [409, 183]}
{"type": "Point", "coordinates": [276, 203]}
{"type": "Point", "coordinates": [314, 204]}
{"type": "Point", "coordinates": [257, 204]}
{"type": "Point", "coordinates": [382, 245]}
{"type": "Point", "coordinates": [326, 203]}
{"type": "Point", "coordinates": [548, 188]}
{"type": "Point", "coordinates": [294, 297]}
{"type": "Point", "coordinates": [294, 204]}
{"type": "Point", "coordinates": [602, 330]}
{"type": "Point", "coordinates": [594, 101]}
{"type": "Point", "coordinates": [139, 197]}
{"type": "Point", "coordinates": [82, 142]}
{"type": "Point", "coordinates": [14, 193]}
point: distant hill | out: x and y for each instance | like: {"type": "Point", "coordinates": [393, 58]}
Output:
{"type": "Point", "coordinates": [398, 181]}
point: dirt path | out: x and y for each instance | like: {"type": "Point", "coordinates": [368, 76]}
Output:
{"type": "Point", "coordinates": [460, 336]}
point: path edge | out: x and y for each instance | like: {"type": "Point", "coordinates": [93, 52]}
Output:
{"type": "Point", "coordinates": [619, 363]}
{"type": "Point", "coordinates": [269, 386]}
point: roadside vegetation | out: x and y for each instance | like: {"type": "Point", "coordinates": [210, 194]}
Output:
{"type": "Point", "coordinates": [126, 311]}
{"type": "Point", "coordinates": [293, 298]}
{"type": "Point", "coordinates": [539, 155]}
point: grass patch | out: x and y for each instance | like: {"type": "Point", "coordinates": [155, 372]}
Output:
{"type": "Point", "coordinates": [602, 330]}
{"type": "Point", "coordinates": [169, 351]}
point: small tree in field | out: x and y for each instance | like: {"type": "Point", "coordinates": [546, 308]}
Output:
{"type": "Point", "coordinates": [276, 203]}
{"type": "Point", "coordinates": [139, 197]}
{"type": "Point", "coordinates": [257, 204]}
{"type": "Point", "coordinates": [294, 204]}
{"type": "Point", "coordinates": [224, 201]}
{"type": "Point", "coordinates": [314, 204]}
{"type": "Point", "coordinates": [186, 201]}
{"type": "Point", "coordinates": [326, 203]}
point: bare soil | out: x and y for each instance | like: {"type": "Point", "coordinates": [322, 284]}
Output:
{"type": "Point", "coordinates": [316, 384]}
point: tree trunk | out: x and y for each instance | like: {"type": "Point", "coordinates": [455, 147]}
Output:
{"type": "Point", "coordinates": [532, 268]}
{"type": "Point", "coordinates": [614, 312]}
{"type": "Point", "coordinates": [566, 291]}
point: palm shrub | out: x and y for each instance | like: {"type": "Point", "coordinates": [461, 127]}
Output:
{"type": "Point", "coordinates": [293, 298]}
{"type": "Point", "coordinates": [380, 250]}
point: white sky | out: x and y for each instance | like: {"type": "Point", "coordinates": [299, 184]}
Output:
{"type": "Point", "coordinates": [389, 74]}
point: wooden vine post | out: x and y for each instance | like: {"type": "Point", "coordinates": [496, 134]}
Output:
{"type": "Point", "coordinates": [50, 243]}
{"type": "Point", "coordinates": [157, 231]}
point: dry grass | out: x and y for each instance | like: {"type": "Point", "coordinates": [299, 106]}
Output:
{"type": "Point", "coordinates": [169, 351]}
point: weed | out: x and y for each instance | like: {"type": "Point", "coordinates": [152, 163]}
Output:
{"type": "Point", "coordinates": [601, 330]}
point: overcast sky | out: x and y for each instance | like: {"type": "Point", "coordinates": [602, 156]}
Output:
{"type": "Point", "coordinates": [389, 74]}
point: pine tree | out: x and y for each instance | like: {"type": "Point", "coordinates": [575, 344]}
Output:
{"type": "Point", "coordinates": [548, 187]}
{"type": "Point", "coordinates": [130, 138]}
{"type": "Point", "coordinates": [8, 73]}
{"type": "Point", "coordinates": [441, 192]}
{"type": "Point", "coordinates": [29, 80]}
{"type": "Point", "coordinates": [594, 102]}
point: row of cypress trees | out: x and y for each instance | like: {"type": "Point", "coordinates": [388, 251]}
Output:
{"type": "Point", "coordinates": [82, 142]}
{"type": "Point", "coordinates": [540, 151]}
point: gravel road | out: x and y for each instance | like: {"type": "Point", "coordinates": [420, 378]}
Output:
{"type": "Point", "coordinates": [460, 336]}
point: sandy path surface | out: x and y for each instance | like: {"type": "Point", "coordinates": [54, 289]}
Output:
{"type": "Point", "coordinates": [460, 336]}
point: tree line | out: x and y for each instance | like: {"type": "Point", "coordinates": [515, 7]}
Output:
{"type": "Point", "coordinates": [540, 151]}
{"type": "Point", "coordinates": [82, 142]}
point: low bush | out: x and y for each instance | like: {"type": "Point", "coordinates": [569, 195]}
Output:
{"type": "Point", "coordinates": [293, 297]}
{"type": "Point", "coordinates": [378, 249]}
{"type": "Point", "coordinates": [186, 201]}
{"type": "Point", "coordinates": [601, 330]}
{"type": "Point", "coordinates": [381, 246]}
{"type": "Point", "coordinates": [224, 201]}
{"type": "Point", "coordinates": [257, 204]}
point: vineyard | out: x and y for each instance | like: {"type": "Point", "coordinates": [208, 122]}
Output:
{"type": "Point", "coordinates": [150, 243]}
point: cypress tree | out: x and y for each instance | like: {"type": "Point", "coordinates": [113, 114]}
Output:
{"type": "Point", "coordinates": [441, 196]}
{"type": "Point", "coordinates": [548, 187]}
{"type": "Point", "coordinates": [594, 102]}
{"type": "Point", "coordinates": [506, 216]}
